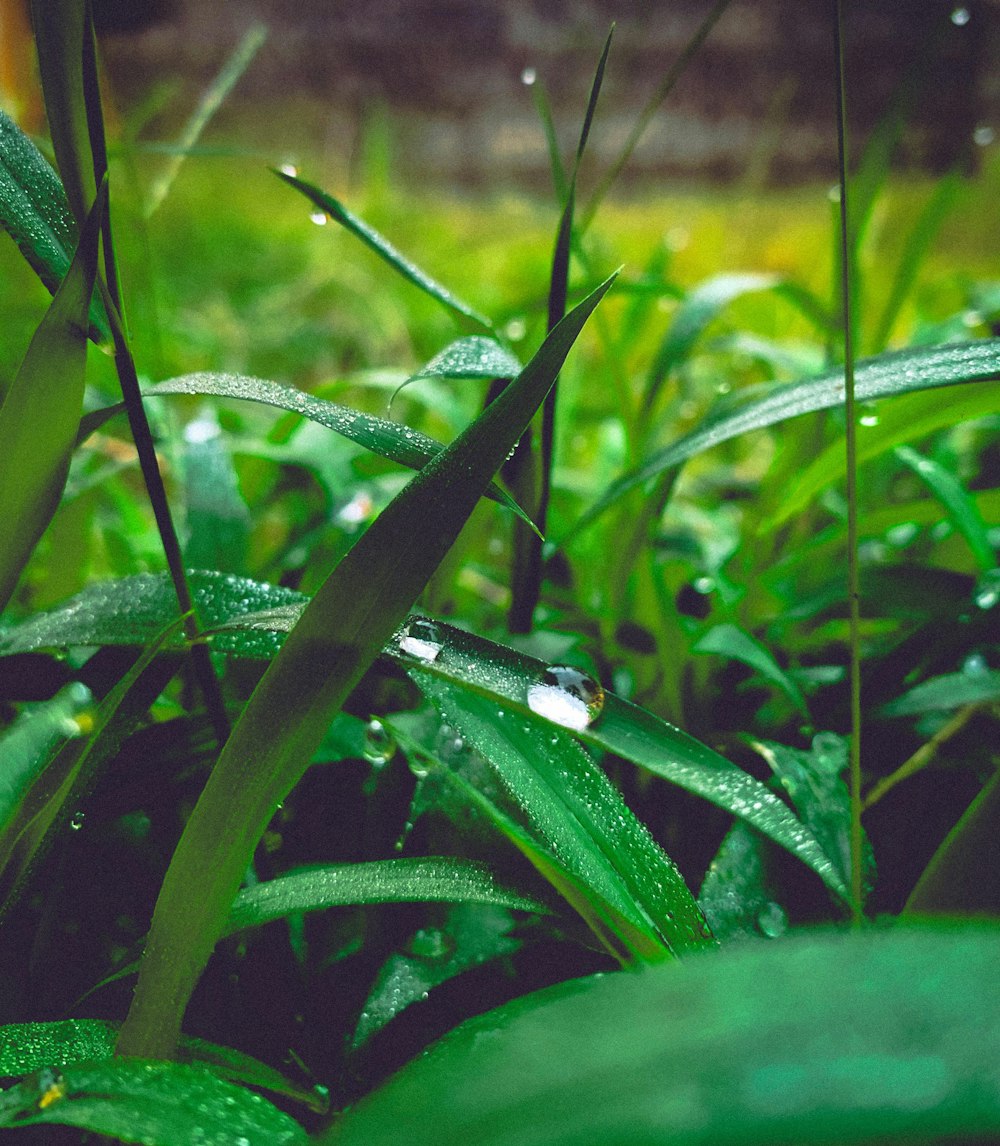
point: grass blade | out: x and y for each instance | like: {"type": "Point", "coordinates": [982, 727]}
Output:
{"type": "Point", "coordinates": [384, 249]}
{"type": "Point", "coordinates": [887, 375]}
{"type": "Point", "coordinates": [40, 413]}
{"type": "Point", "coordinates": [341, 631]}
{"type": "Point", "coordinates": [429, 879]}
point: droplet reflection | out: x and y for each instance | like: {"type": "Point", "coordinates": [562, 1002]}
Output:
{"type": "Point", "coordinates": [567, 696]}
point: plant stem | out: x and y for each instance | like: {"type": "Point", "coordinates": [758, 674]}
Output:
{"type": "Point", "coordinates": [853, 580]}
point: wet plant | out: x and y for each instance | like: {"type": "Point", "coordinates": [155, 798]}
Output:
{"type": "Point", "coordinates": [339, 738]}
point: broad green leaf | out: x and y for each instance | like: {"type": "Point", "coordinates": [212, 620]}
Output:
{"type": "Point", "coordinates": [154, 1103]}
{"type": "Point", "coordinates": [384, 249]}
{"type": "Point", "coordinates": [947, 692]}
{"type": "Point", "coordinates": [33, 206]}
{"type": "Point", "coordinates": [906, 419]}
{"type": "Point", "coordinates": [340, 633]}
{"type": "Point", "coordinates": [887, 375]}
{"type": "Point", "coordinates": [70, 772]}
{"type": "Point", "coordinates": [427, 879]}
{"type": "Point", "coordinates": [40, 413]}
{"type": "Point", "coordinates": [467, 938]}
{"type": "Point", "coordinates": [875, 1037]}
{"type": "Point", "coordinates": [131, 610]}
{"type": "Point", "coordinates": [728, 640]}
{"type": "Point", "coordinates": [956, 500]}
{"type": "Point", "coordinates": [572, 808]}
{"type": "Point", "coordinates": [391, 440]}
{"type": "Point", "coordinates": [26, 1047]}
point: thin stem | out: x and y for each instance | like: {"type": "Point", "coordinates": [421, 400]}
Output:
{"type": "Point", "coordinates": [853, 579]}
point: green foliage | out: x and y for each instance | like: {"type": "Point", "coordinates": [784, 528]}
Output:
{"type": "Point", "coordinates": [468, 761]}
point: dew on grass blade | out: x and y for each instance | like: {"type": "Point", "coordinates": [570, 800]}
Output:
{"type": "Point", "coordinates": [379, 743]}
{"type": "Point", "coordinates": [528, 76]}
{"type": "Point", "coordinates": [77, 820]}
{"type": "Point", "coordinates": [318, 217]}
{"type": "Point", "coordinates": [772, 922]}
{"type": "Point", "coordinates": [422, 639]}
{"type": "Point", "coordinates": [567, 696]}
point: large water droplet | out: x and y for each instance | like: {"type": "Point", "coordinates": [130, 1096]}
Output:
{"type": "Point", "coordinates": [379, 743]}
{"type": "Point", "coordinates": [567, 696]}
{"type": "Point", "coordinates": [422, 639]}
{"type": "Point", "coordinates": [960, 16]}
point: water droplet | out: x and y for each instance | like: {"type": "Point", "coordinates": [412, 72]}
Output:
{"type": "Point", "coordinates": [450, 745]}
{"type": "Point", "coordinates": [516, 329]}
{"type": "Point", "coordinates": [319, 218]}
{"type": "Point", "coordinates": [379, 743]}
{"type": "Point", "coordinates": [419, 767]}
{"type": "Point", "coordinates": [983, 136]}
{"type": "Point", "coordinates": [528, 76]}
{"type": "Point", "coordinates": [868, 420]}
{"type": "Point", "coordinates": [76, 821]}
{"type": "Point", "coordinates": [987, 592]}
{"type": "Point", "coordinates": [960, 17]}
{"type": "Point", "coordinates": [431, 944]}
{"type": "Point", "coordinates": [422, 639]}
{"type": "Point", "coordinates": [772, 920]}
{"type": "Point", "coordinates": [703, 585]}
{"type": "Point", "coordinates": [288, 169]}
{"type": "Point", "coordinates": [975, 665]}
{"type": "Point", "coordinates": [567, 696]}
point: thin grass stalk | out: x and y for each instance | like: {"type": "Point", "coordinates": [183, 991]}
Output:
{"type": "Point", "coordinates": [851, 448]}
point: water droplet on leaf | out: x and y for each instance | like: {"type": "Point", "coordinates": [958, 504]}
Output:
{"type": "Point", "coordinates": [379, 743]}
{"type": "Point", "coordinates": [772, 920]}
{"type": "Point", "coordinates": [422, 639]}
{"type": "Point", "coordinates": [567, 696]}
{"type": "Point", "coordinates": [431, 944]}
{"type": "Point", "coordinates": [76, 821]}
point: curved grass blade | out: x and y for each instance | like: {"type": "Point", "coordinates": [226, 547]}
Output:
{"type": "Point", "coordinates": [579, 815]}
{"type": "Point", "coordinates": [339, 634]}
{"type": "Point", "coordinates": [27, 1047]}
{"type": "Point", "coordinates": [40, 412]}
{"type": "Point", "coordinates": [728, 640]}
{"type": "Point", "coordinates": [957, 502]}
{"type": "Point", "coordinates": [440, 879]}
{"type": "Point", "coordinates": [906, 419]}
{"type": "Point", "coordinates": [902, 372]}
{"type": "Point", "coordinates": [868, 1038]}
{"type": "Point", "coordinates": [162, 1103]}
{"type": "Point", "coordinates": [384, 249]}
{"type": "Point", "coordinates": [946, 693]}
{"type": "Point", "coordinates": [391, 440]}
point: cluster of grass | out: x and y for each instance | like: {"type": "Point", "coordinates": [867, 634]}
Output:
{"type": "Point", "coordinates": [310, 758]}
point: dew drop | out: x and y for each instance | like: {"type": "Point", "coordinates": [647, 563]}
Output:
{"type": "Point", "coordinates": [319, 218]}
{"type": "Point", "coordinates": [289, 169]}
{"type": "Point", "coordinates": [76, 820]}
{"type": "Point", "coordinates": [379, 743]}
{"type": "Point", "coordinates": [983, 136]}
{"type": "Point", "coordinates": [567, 696]}
{"type": "Point", "coordinates": [529, 75]}
{"type": "Point", "coordinates": [975, 665]}
{"type": "Point", "coordinates": [868, 420]}
{"type": "Point", "coordinates": [772, 920]}
{"type": "Point", "coordinates": [960, 16]}
{"type": "Point", "coordinates": [422, 639]}
{"type": "Point", "coordinates": [431, 944]}
{"type": "Point", "coordinates": [987, 592]}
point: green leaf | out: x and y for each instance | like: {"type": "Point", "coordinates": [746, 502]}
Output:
{"type": "Point", "coordinates": [956, 500]}
{"type": "Point", "coordinates": [865, 1038]}
{"type": "Point", "coordinates": [574, 810]}
{"type": "Point", "coordinates": [887, 375]}
{"type": "Point", "coordinates": [33, 206]}
{"type": "Point", "coordinates": [154, 1103]}
{"type": "Point", "coordinates": [129, 612]}
{"type": "Point", "coordinates": [391, 440]}
{"type": "Point", "coordinates": [423, 880]}
{"type": "Point", "coordinates": [735, 895]}
{"type": "Point", "coordinates": [905, 419]}
{"type": "Point", "coordinates": [340, 633]}
{"type": "Point", "coordinates": [217, 516]}
{"type": "Point", "coordinates": [26, 1047]}
{"type": "Point", "coordinates": [728, 640]}
{"type": "Point", "coordinates": [947, 692]}
{"type": "Point", "coordinates": [40, 413]}
{"type": "Point", "coordinates": [384, 249]}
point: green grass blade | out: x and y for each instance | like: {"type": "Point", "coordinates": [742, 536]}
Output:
{"type": "Point", "coordinates": [40, 413]}
{"type": "Point", "coordinates": [906, 419]}
{"type": "Point", "coordinates": [473, 357]}
{"type": "Point", "coordinates": [876, 1038]}
{"type": "Point", "coordinates": [384, 249]}
{"type": "Point", "coordinates": [61, 30]}
{"type": "Point", "coordinates": [887, 375]}
{"type": "Point", "coordinates": [391, 440]}
{"type": "Point", "coordinates": [728, 640]}
{"type": "Point", "coordinates": [429, 879]}
{"type": "Point", "coordinates": [579, 815]}
{"type": "Point", "coordinates": [947, 692]}
{"type": "Point", "coordinates": [169, 1104]}
{"type": "Point", "coordinates": [957, 502]}
{"type": "Point", "coordinates": [341, 631]}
